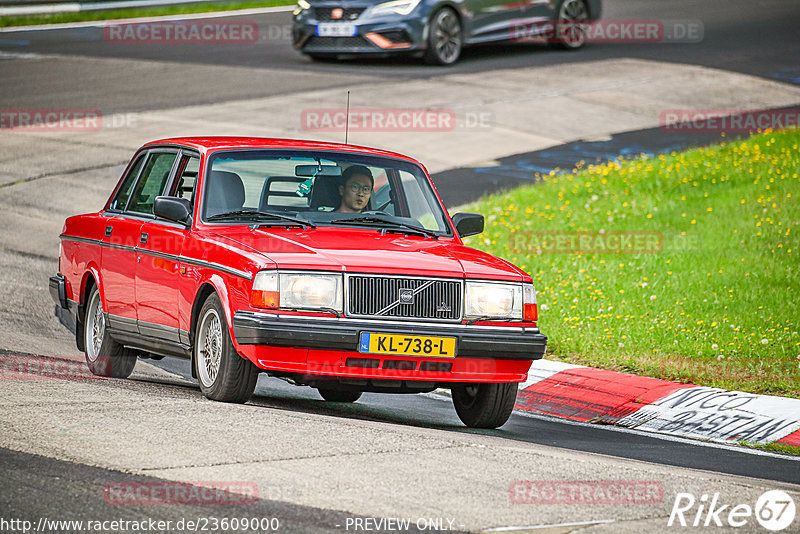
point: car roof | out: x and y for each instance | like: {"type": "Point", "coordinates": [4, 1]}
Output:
{"type": "Point", "coordinates": [213, 143]}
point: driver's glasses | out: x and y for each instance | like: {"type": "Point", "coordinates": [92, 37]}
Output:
{"type": "Point", "coordinates": [366, 189]}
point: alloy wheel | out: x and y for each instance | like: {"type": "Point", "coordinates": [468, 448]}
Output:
{"type": "Point", "coordinates": [209, 353]}
{"type": "Point", "coordinates": [572, 19]}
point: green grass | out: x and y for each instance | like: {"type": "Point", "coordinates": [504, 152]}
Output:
{"type": "Point", "coordinates": [774, 447]}
{"type": "Point", "coordinates": [717, 305]}
{"type": "Point", "coordinates": [58, 18]}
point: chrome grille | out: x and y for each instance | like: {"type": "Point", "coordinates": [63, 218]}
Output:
{"type": "Point", "coordinates": [380, 296]}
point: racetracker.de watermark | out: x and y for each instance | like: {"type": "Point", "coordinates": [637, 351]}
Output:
{"type": "Point", "coordinates": [728, 120]}
{"type": "Point", "coordinates": [61, 120]}
{"type": "Point", "coordinates": [182, 32]}
{"type": "Point", "coordinates": [19, 367]}
{"type": "Point", "coordinates": [599, 242]}
{"type": "Point", "coordinates": [620, 31]}
{"type": "Point", "coordinates": [586, 492]}
{"type": "Point", "coordinates": [392, 120]}
{"type": "Point", "coordinates": [232, 493]}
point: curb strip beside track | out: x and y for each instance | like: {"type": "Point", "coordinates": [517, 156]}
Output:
{"type": "Point", "coordinates": [607, 397]}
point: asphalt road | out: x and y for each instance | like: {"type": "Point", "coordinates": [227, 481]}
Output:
{"type": "Point", "coordinates": [436, 411]}
{"type": "Point", "coordinates": [60, 494]}
{"type": "Point", "coordinates": [758, 38]}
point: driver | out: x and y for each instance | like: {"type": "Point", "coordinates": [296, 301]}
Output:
{"type": "Point", "coordinates": [356, 189]}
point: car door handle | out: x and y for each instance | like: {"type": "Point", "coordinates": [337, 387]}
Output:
{"type": "Point", "coordinates": [109, 229]}
{"type": "Point", "coordinates": [143, 237]}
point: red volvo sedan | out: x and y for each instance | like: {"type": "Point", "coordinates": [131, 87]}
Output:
{"type": "Point", "coordinates": [331, 266]}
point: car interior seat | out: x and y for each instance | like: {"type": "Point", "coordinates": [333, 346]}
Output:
{"type": "Point", "coordinates": [325, 193]}
{"type": "Point", "coordinates": [225, 193]}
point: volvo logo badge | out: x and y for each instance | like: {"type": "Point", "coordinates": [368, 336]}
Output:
{"type": "Point", "coordinates": [406, 295]}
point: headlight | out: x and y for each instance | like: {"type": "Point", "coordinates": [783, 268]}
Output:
{"type": "Point", "coordinates": [399, 7]}
{"type": "Point", "coordinates": [302, 5]}
{"type": "Point", "coordinates": [493, 299]}
{"type": "Point", "coordinates": [275, 289]}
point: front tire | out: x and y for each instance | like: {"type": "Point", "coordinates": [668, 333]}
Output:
{"type": "Point", "coordinates": [104, 356]}
{"type": "Point", "coordinates": [484, 405]}
{"type": "Point", "coordinates": [571, 18]}
{"type": "Point", "coordinates": [445, 38]}
{"type": "Point", "coordinates": [222, 373]}
{"type": "Point", "coordinates": [335, 395]}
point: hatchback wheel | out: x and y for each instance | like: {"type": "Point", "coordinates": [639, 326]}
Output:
{"type": "Point", "coordinates": [223, 374]}
{"type": "Point", "coordinates": [335, 395]}
{"type": "Point", "coordinates": [445, 38]}
{"type": "Point", "coordinates": [571, 20]}
{"type": "Point", "coordinates": [484, 405]}
{"type": "Point", "coordinates": [104, 356]}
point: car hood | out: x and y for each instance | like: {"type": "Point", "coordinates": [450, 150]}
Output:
{"type": "Point", "coordinates": [369, 251]}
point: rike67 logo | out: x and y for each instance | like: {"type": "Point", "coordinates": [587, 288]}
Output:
{"type": "Point", "coordinates": [774, 510]}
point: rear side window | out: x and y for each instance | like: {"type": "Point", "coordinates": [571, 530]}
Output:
{"type": "Point", "coordinates": [151, 184]}
{"type": "Point", "coordinates": [124, 192]}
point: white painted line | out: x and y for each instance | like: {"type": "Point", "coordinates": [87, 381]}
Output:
{"type": "Point", "coordinates": [624, 430]}
{"type": "Point", "coordinates": [66, 7]}
{"type": "Point", "coordinates": [75, 7]}
{"type": "Point", "coordinates": [554, 525]}
{"type": "Point", "coordinates": [543, 369]}
{"type": "Point", "coordinates": [720, 415]}
{"type": "Point", "coordinates": [657, 435]}
{"type": "Point", "coordinates": [191, 16]}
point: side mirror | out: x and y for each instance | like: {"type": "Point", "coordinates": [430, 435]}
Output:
{"type": "Point", "coordinates": [173, 209]}
{"type": "Point", "coordinates": [468, 223]}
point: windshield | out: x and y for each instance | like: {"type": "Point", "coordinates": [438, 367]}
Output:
{"type": "Point", "coordinates": [321, 188]}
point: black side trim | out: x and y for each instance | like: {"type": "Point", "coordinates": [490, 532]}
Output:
{"type": "Point", "coordinates": [166, 333]}
{"type": "Point", "coordinates": [144, 251]}
{"type": "Point", "coordinates": [306, 332]}
{"type": "Point", "coordinates": [65, 310]}
{"type": "Point", "coordinates": [151, 344]}
{"type": "Point", "coordinates": [58, 290]}
{"type": "Point", "coordinates": [121, 324]}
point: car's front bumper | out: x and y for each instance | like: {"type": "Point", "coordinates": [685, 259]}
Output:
{"type": "Point", "coordinates": [329, 333]}
{"type": "Point", "coordinates": [381, 36]}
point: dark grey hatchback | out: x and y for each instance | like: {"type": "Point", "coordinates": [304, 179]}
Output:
{"type": "Point", "coordinates": [435, 29]}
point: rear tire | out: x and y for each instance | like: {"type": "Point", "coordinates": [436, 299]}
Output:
{"type": "Point", "coordinates": [484, 405]}
{"type": "Point", "coordinates": [104, 356]}
{"type": "Point", "coordinates": [222, 373]}
{"type": "Point", "coordinates": [335, 395]}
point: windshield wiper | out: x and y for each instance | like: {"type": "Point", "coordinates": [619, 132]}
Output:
{"type": "Point", "coordinates": [255, 213]}
{"type": "Point", "coordinates": [381, 220]}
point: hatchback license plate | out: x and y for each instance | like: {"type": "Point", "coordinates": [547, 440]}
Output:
{"type": "Point", "coordinates": [401, 344]}
{"type": "Point", "coordinates": [336, 29]}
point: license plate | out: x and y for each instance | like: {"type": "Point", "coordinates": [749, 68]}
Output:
{"type": "Point", "coordinates": [401, 344]}
{"type": "Point", "coordinates": [336, 29]}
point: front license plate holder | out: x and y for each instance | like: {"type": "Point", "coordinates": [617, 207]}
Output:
{"type": "Point", "coordinates": [407, 345]}
{"type": "Point", "coordinates": [336, 29]}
